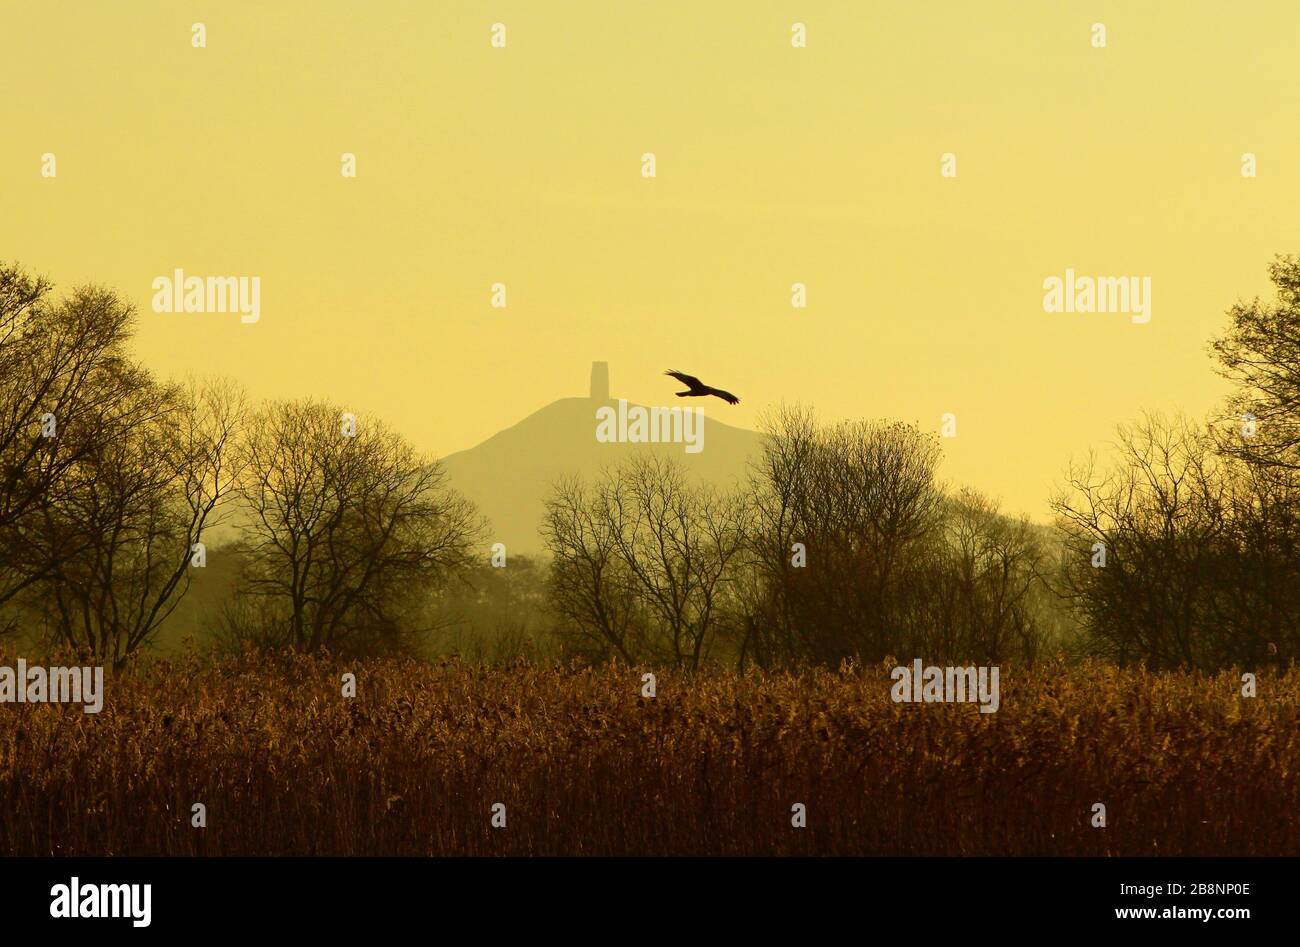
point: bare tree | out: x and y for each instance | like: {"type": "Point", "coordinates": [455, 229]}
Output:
{"type": "Point", "coordinates": [680, 541]}
{"type": "Point", "coordinates": [780, 478]}
{"type": "Point", "coordinates": [643, 561]}
{"type": "Point", "coordinates": [861, 502]}
{"type": "Point", "coordinates": [347, 528]}
{"type": "Point", "coordinates": [1146, 541]}
{"type": "Point", "coordinates": [135, 509]}
{"type": "Point", "coordinates": [63, 372]}
{"type": "Point", "coordinates": [589, 583]}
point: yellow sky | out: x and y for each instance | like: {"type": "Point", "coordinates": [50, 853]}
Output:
{"type": "Point", "coordinates": [775, 165]}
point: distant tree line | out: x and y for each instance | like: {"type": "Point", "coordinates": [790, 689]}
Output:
{"type": "Point", "coordinates": [111, 481]}
{"type": "Point", "coordinates": [1199, 524]}
{"type": "Point", "coordinates": [842, 546]}
{"type": "Point", "coordinates": [1180, 549]}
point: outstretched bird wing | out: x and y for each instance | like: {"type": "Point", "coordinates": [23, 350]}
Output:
{"type": "Point", "coordinates": [690, 381]}
{"type": "Point", "coordinates": [724, 395]}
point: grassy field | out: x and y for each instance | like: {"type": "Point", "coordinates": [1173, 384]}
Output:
{"type": "Point", "coordinates": [584, 765]}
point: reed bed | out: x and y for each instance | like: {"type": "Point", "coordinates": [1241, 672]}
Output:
{"type": "Point", "coordinates": [585, 765]}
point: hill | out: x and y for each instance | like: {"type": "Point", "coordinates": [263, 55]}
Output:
{"type": "Point", "coordinates": [509, 475]}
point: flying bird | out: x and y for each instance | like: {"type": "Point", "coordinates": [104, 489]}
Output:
{"type": "Point", "coordinates": [700, 390]}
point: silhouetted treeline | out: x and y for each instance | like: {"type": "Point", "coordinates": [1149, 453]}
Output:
{"type": "Point", "coordinates": [1198, 525]}
{"type": "Point", "coordinates": [1183, 551]}
{"type": "Point", "coordinates": [1180, 549]}
{"type": "Point", "coordinates": [842, 546]}
{"type": "Point", "coordinates": [111, 483]}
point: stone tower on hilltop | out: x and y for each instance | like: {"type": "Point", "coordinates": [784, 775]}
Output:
{"type": "Point", "coordinates": [599, 381]}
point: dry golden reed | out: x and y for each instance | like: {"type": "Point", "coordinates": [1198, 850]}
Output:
{"type": "Point", "coordinates": [586, 766]}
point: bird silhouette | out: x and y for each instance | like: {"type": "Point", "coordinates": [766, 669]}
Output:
{"type": "Point", "coordinates": [700, 390]}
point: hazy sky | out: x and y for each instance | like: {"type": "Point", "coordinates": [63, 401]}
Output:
{"type": "Point", "coordinates": [774, 165]}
